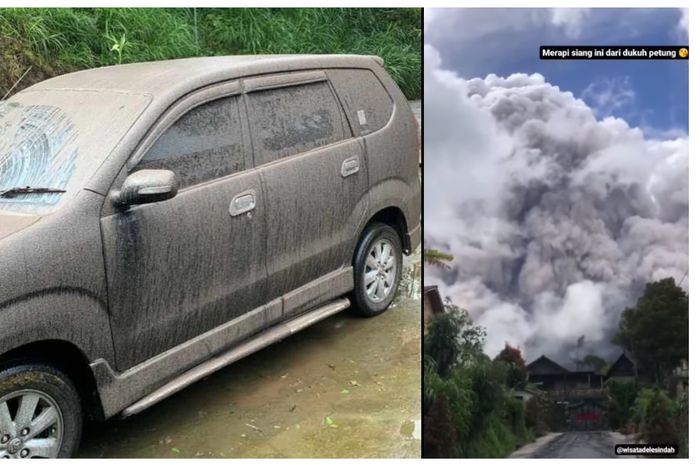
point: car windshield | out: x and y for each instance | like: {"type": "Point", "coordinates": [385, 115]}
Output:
{"type": "Point", "coordinates": [55, 140]}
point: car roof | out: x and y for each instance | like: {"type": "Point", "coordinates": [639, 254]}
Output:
{"type": "Point", "coordinates": [171, 78]}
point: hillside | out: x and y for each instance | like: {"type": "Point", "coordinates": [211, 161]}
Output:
{"type": "Point", "coordinates": [52, 41]}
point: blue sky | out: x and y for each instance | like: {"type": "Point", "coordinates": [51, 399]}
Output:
{"type": "Point", "coordinates": [652, 95]}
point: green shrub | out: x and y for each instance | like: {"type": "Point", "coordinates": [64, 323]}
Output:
{"type": "Point", "coordinates": [469, 408]}
{"type": "Point", "coordinates": [440, 439]}
{"type": "Point", "coordinates": [655, 413]}
{"type": "Point", "coordinates": [536, 415]}
{"type": "Point", "coordinates": [452, 340]}
{"type": "Point", "coordinates": [495, 439]}
{"type": "Point", "coordinates": [620, 405]}
{"type": "Point", "coordinates": [682, 415]}
{"type": "Point", "coordinates": [59, 40]}
{"type": "Point", "coordinates": [514, 414]}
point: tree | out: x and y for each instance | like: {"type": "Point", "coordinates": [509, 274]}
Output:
{"type": "Point", "coordinates": [655, 331]}
{"type": "Point", "coordinates": [452, 337]}
{"type": "Point", "coordinates": [437, 258]}
{"type": "Point", "coordinates": [513, 358]}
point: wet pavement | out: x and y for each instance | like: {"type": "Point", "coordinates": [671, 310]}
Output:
{"type": "Point", "coordinates": [578, 444]}
{"type": "Point", "coordinates": [345, 387]}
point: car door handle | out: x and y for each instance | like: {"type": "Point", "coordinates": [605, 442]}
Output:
{"type": "Point", "coordinates": [350, 166]}
{"type": "Point", "coordinates": [242, 203]}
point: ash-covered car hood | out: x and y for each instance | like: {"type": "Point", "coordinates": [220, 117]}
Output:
{"type": "Point", "coordinates": [11, 223]}
{"type": "Point", "coordinates": [57, 140]}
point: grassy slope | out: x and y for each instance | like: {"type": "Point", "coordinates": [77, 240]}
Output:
{"type": "Point", "coordinates": [60, 40]}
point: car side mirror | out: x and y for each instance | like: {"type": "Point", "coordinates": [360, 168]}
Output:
{"type": "Point", "coordinates": [147, 186]}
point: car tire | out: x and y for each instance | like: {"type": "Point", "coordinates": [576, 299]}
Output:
{"type": "Point", "coordinates": [376, 277]}
{"type": "Point", "coordinates": [46, 406]}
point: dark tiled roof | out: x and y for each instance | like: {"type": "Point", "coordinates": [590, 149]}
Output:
{"type": "Point", "coordinates": [545, 365]}
{"type": "Point", "coordinates": [623, 366]}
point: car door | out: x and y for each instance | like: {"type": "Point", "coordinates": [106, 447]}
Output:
{"type": "Point", "coordinates": [178, 268]}
{"type": "Point", "coordinates": [314, 180]}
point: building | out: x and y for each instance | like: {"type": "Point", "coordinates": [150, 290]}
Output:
{"type": "Point", "coordinates": [679, 379]}
{"type": "Point", "coordinates": [623, 369]}
{"type": "Point", "coordinates": [550, 376]}
{"type": "Point", "coordinates": [577, 400]}
{"type": "Point", "coordinates": [432, 304]}
{"type": "Point", "coordinates": [626, 369]}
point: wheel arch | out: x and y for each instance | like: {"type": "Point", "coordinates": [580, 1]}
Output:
{"type": "Point", "coordinates": [392, 216]}
{"type": "Point", "coordinates": [67, 358]}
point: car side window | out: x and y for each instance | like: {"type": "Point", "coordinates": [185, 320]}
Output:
{"type": "Point", "coordinates": [366, 101]}
{"type": "Point", "coordinates": [203, 144]}
{"type": "Point", "coordinates": [289, 120]}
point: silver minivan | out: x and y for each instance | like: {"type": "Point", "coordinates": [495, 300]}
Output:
{"type": "Point", "coordinates": [159, 221]}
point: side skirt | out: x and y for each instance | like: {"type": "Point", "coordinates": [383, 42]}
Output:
{"type": "Point", "coordinates": [264, 339]}
{"type": "Point", "coordinates": [119, 390]}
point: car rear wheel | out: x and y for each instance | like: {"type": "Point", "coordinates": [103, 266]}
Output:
{"type": "Point", "coordinates": [40, 413]}
{"type": "Point", "coordinates": [377, 269]}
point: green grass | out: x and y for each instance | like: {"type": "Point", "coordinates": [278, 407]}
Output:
{"type": "Point", "coordinates": [59, 40]}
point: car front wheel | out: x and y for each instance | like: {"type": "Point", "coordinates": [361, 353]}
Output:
{"type": "Point", "coordinates": [40, 413]}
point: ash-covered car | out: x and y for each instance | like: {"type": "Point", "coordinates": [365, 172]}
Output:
{"type": "Point", "coordinates": [159, 221]}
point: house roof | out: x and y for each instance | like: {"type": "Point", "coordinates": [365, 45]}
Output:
{"type": "Point", "coordinates": [584, 367]}
{"type": "Point", "coordinates": [433, 295]}
{"type": "Point", "coordinates": [623, 366]}
{"type": "Point", "coordinates": [545, 366]}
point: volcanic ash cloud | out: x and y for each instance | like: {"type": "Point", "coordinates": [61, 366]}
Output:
{"type": "Point", "coordinates": [556, 219]}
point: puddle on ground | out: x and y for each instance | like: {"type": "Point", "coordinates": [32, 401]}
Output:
{"type": "Point", "coordinates": [345, 387]}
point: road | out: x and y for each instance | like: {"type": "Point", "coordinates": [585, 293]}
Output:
{"type": "Point", "coordinates": [578, 444]}
{"type": "Point", "coordinates": [345, 387]}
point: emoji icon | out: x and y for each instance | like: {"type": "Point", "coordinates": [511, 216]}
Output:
{"type": "Point", "coordinates": [683, 52]}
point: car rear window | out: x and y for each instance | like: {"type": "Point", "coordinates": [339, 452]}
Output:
{"type": "Point", "coordinates": [294, 119]}
{"type": "Point", "coordinates": [366, 101]}
{"type": "Point", "coordinates": [203, 144]}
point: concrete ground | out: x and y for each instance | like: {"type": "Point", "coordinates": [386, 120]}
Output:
{"type": "Point", "coordinates": [346, 387]}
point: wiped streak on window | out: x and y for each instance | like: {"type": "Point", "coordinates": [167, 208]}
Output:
{"type": "Point", "coordinates": [37, 149]}
{"type": "Point", "coordinates": [59, 138]}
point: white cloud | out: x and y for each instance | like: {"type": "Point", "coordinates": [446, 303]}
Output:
{"type": "Point", "coordinates": [572, 20]}
{"type": "Point", "coordinates": [609, 95]}
{"type": "Point", "coordinates": [556, 218]}
{"type": "Point", "coordinates": [683, 23]}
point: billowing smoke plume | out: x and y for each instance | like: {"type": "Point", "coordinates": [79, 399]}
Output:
{"type": "Point", "coordinates": [556, 219]}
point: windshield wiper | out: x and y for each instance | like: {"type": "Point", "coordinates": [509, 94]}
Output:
{"type": "Point", "coordinates": [9, 193]}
